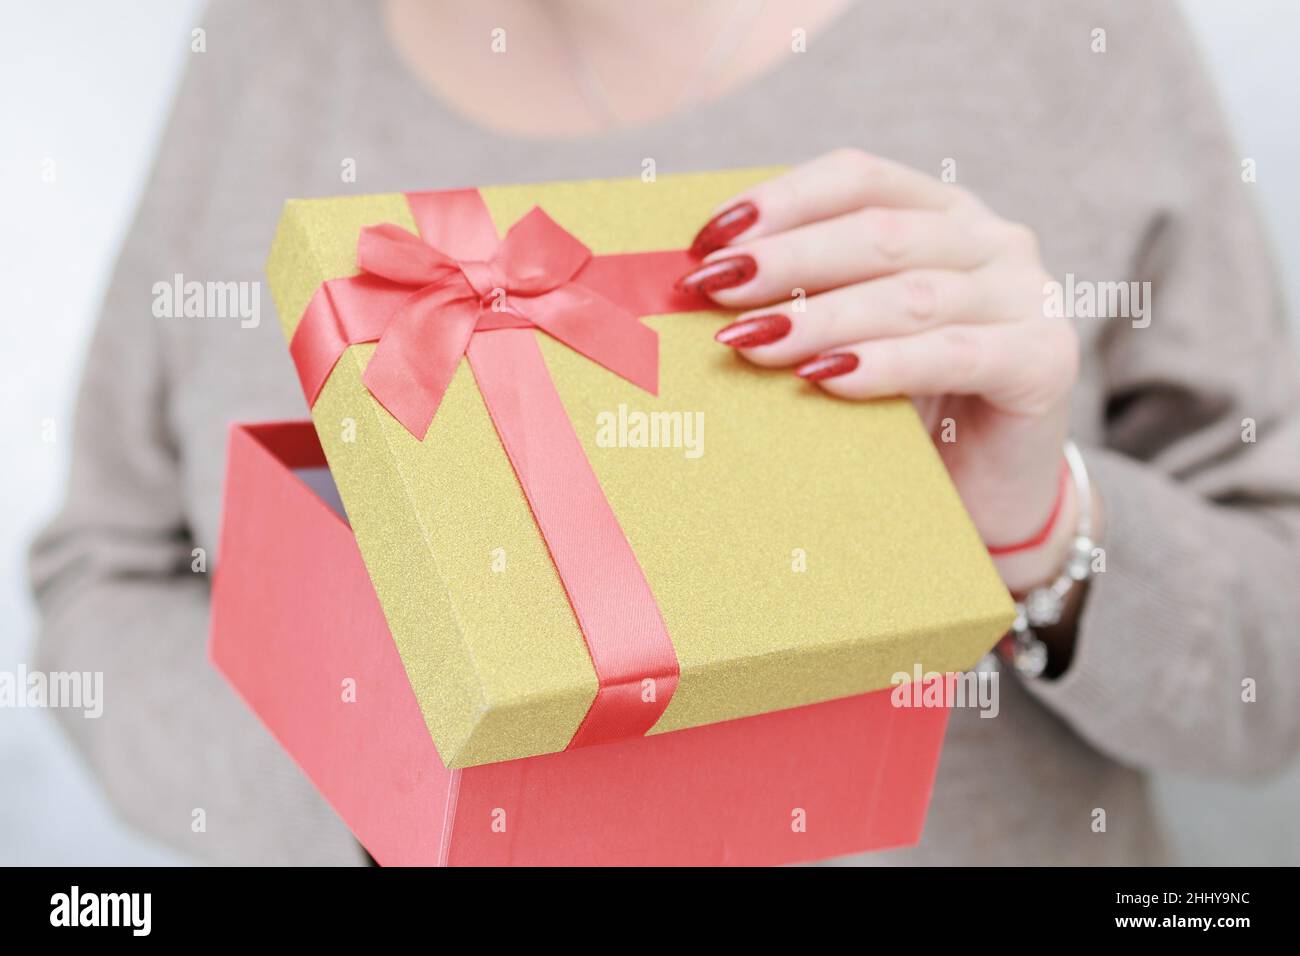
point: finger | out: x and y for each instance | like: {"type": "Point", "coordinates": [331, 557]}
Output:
{"type": "Point", "coordinates": [901, 304]}
{"type": "Point", "coordinates": [830, 185]}
{"type": "Point", "coordinates": [1021, 367]}
{"type": "Point", "coordinates": [851, 248]}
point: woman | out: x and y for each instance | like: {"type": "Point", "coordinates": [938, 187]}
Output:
{"type": "Point", "coordinates": [969, 156]}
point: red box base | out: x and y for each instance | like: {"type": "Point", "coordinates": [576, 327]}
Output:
{"type": "Point", "coordinates": [294, 617]}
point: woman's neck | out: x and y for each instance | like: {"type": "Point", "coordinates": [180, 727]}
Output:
{"type": "Point", "coordinates": [573, 67]}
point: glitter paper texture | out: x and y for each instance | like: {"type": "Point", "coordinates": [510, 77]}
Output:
{"type": "Point", "coordinates": [895, 573]}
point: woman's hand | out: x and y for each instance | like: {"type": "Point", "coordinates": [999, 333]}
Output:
{"type": "Point", "coordinates": [913, 288]}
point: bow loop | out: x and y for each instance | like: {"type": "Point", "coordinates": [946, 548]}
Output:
{"type": "Point", "coordinates": [538, 255]}
{"type": "Point", "coordinates": [392, 253]}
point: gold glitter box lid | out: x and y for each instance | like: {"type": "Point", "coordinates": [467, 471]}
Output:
{"type": "Point", "coordinates": [800, 548]}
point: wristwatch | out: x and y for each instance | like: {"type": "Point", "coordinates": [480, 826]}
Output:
{"type": "Point", "coordinates": [1043, 606]}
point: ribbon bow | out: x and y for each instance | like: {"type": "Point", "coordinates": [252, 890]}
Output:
{"type": "Point", "coordinates": [527, 280]}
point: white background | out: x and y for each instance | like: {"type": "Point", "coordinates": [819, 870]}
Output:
{"type": "Point", "coordinates": [89, 84]}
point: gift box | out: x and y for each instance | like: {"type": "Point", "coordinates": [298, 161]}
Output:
{"type": "Point", "coordinates": [297, 629]}
{"type": "Point", "coordinates": [584, 520]}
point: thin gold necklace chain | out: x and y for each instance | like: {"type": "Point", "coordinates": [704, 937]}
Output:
{"type": "Point", "coordinates": [740, 21]}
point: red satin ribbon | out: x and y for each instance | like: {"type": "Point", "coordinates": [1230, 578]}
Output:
{"type": "Point", "coordinates": [458, 290]}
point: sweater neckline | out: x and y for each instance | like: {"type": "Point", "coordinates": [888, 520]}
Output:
{"type": "Point", "coordinates": [765, 86]}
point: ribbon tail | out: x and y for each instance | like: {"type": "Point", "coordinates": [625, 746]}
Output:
{"type": "Point", "coordinates": [418, 354]}
{"type": "Point", "coordinates": [602, 331]}
{"type": "Point", "coordinates": [636, 665]}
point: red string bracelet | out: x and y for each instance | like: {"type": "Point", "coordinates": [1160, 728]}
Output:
{"type": "Point", "coordinates": [1041, 537]}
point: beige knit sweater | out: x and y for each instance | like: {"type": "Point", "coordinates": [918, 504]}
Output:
{"type": "Point", "coordinates": [1118, 159]}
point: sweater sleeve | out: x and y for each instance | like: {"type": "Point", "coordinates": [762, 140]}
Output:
{"type": "Point", "coordinates": [177, 753]}
{"type": "Point", "coordinates": [117, 596]}
{"type": "Point", "coordinates": [1187, 654]}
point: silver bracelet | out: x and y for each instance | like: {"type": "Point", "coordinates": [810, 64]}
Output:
{"type": "Point", "coordinates": [1043, 606]}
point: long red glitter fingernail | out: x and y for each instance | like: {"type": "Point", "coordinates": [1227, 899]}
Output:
{"type": "Point", "coordinates": [827, 366]}
{"type": "Point", "coordinates": [724, 227]}
{"type": "Point", "coordinates": [759, 330]}
{"type": "Point", "coordinates": [718, 274]}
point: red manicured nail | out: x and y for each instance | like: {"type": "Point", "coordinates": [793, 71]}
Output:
{"type": "Point", "coordinates": [719, 274]}
{"type": "Point", "coordinates": [827, 366]}
{"type": "Point", "coordinates": [724, 227]}
{"type": "Point", "coordinates": [759, 330]}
